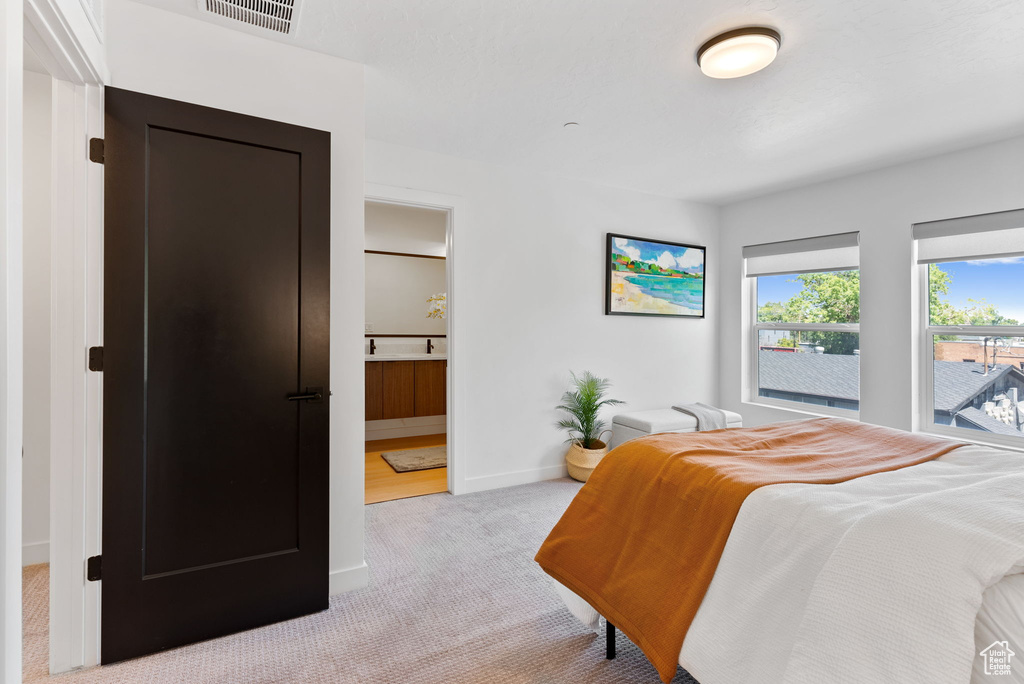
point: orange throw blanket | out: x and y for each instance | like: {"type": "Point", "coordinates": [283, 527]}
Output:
{"type": "Point", "coordinates": [642, 539]}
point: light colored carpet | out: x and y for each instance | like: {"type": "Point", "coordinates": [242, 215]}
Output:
{"type": "Point", "coordinates": [454, 598]}
{"type": "Point", "coordinates": [416, 459]}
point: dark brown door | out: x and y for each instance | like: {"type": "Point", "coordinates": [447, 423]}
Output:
{"type": "Point", "coordinates": [215, 470]}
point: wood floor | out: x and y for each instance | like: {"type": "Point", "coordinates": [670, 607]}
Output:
{"type": "Point", "coordinates": [384, 484]}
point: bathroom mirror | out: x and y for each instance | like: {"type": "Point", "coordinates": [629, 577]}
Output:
{"type": "Point", "coordinates": [397, 289]}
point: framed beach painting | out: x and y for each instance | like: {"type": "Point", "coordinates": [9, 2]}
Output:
{"type": "Point", "coordinates": [653, 278]}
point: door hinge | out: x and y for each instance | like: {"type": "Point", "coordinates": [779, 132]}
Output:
{"type": "Point", "coordinates": [96, 359]}
{"type": "Point", "coordinates": [94, 568]}
{"type": "Point", "coordinates": [96, 150]}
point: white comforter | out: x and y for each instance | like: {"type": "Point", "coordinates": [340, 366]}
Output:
{"type": "Point", "coordinates": [877, 580]}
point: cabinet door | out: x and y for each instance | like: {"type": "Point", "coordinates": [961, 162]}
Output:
{"type": "Point", "coordinates": [399, 383]}
{"type": "Point", "coordinates": [430, 388]}
{"type": "Point", "coordinates": [374, 390]}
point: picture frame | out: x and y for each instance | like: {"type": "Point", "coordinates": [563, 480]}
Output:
{"type": "Point", "coordinates": [653, 277]}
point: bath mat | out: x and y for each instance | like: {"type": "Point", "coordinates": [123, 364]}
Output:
{"type": "Point", "coordinates": [417, 459]}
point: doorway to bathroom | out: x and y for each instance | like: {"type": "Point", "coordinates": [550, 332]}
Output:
{"type": "Point", "coordinates": [406, 348]}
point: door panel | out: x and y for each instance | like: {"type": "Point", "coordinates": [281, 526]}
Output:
{"type": "Point", "coordinates": [215, 502]}
{"type": "Point", "coordinates": [228, 304]}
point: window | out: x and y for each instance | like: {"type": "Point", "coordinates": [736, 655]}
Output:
{"type": "Point", "coordinates": [806, 322]}
{"type": "Point", "coordinates": [972, 275]}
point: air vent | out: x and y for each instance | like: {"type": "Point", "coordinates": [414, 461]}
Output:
{"type": "Point", "coordinates": [270, 15]}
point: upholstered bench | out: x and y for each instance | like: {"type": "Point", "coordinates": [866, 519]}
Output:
{"type": "Point", "coordinates": [627, 426]}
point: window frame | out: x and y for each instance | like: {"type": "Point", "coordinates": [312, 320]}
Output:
{"type": "Point", "coordinates": [927, 370]}
{"type": "Point", "coordinates": [755, 346]}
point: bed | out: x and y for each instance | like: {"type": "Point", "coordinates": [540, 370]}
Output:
{"type": "Point", "coordinates": [904, 575]}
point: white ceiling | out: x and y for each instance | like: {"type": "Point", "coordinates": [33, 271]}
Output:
{"type": "Point", "coordinates": [857, 85]}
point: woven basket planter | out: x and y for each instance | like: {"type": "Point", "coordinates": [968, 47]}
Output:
{"type": "Point", "coordinates": [581, 462]}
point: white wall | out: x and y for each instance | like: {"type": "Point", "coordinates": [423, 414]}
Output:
{"type": "Point", "coordinates": [160, 53]}
{"type": "Point", "coordinates": [529, 254]}
{"type": "Point", "coordinates": [35, 524]}
{"type": "Point", "coordinates": [882, 205]}
{"type": "Point", "coordinates": [412, 230]}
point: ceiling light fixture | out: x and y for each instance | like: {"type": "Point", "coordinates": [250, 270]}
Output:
{"type": "Point", "coordinates": [739, 52]}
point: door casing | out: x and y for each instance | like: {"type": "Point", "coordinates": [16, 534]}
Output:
{"type": "Point", "coordinates": [79, 74]}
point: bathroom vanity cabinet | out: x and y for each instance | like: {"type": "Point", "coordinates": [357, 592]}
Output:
{"type": "Point", "coordinates": [400, 388]}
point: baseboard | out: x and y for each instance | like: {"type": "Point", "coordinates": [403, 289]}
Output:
{"type": "Point", "coordinates": [394, 433]}
{"type": "Point", "coordinates": [35, 552]}
{"type": "Point", "coordinates": [405, 427]}
{"type": "Point", "coordinates": [349, 579]}
{"type": "Point", "coordinates": [519, 477]}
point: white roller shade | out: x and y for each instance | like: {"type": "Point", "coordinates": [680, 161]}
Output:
{"type": "Point", "coordinates": [986, 236]}
{"type": "Point", "coordinates": [840, 252]}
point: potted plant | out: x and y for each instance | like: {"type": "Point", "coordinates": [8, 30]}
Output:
{"type": "Point", "coordinates": [583, 403]}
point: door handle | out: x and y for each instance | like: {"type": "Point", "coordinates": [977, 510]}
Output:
{"type": "Point", "coordinates": [312, 394]}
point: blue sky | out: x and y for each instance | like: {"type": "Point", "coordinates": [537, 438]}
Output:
{"type": "Point", "coordinates": [776, 289]}
{"type": "Point", "coordinates": [666, 256]}
{"type": "Point", "coordinates": [997, 281]}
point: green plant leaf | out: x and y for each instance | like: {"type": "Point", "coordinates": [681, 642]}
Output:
{"type": "Point", "coordinates": [583, 402]}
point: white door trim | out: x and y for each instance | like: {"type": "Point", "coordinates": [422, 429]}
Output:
{"type": "Point", "coordinates": [456, 209]}
{"type": "Point", "coordinates": [76, 324]}
{"type": "Point", "coordinates": [54, 40]}
{"type": "Point", "coordinates": [76, 287]}
{"type": "Point", "coordinates": [11, 341]}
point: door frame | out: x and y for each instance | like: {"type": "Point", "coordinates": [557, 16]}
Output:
{"type": "Point", "coordinates": [11, 323]}
{"type": "Point", "coordinates": [76, 324]}
{"type": "Point", "coordinates": [454, 207]}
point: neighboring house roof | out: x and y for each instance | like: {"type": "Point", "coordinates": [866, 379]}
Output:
{"type": "Point", "coordinates": [957, 384]}
{"type": "Point", "coordinates": [837, 376]}
{"type": "Point", "coordinates": [823, 375]}
{"type": "Point", "coordinates": [983, 421]}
